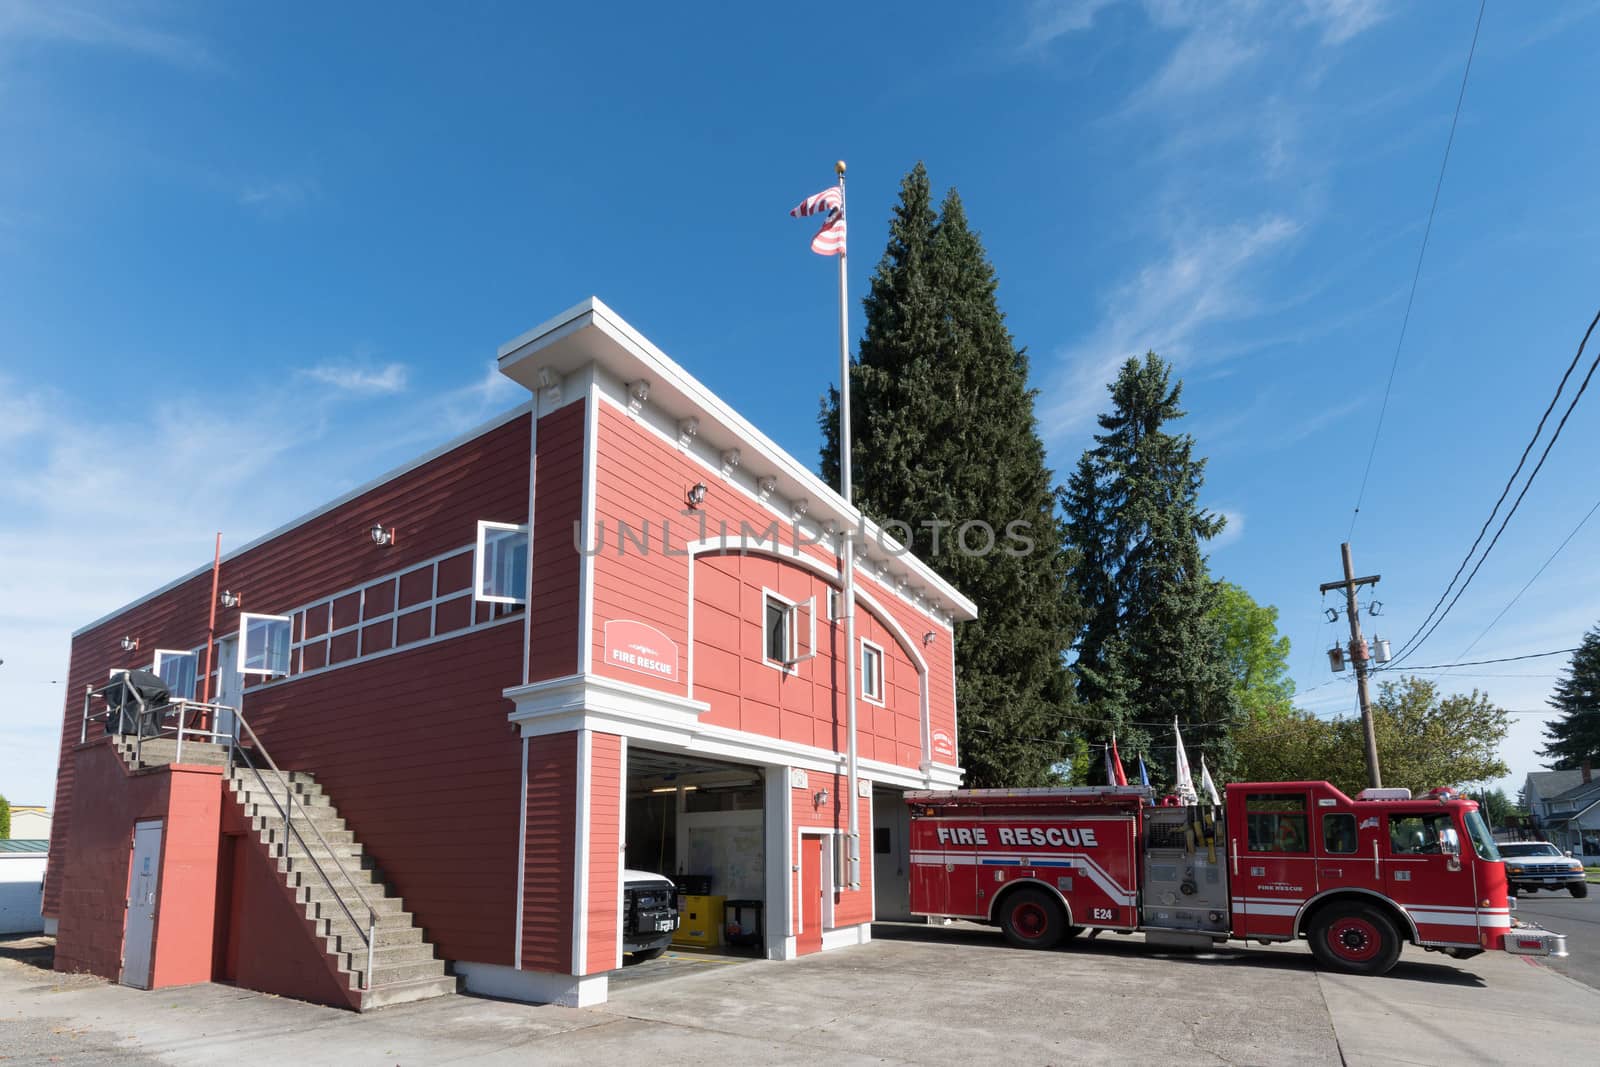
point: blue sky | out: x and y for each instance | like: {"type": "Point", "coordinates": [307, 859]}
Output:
{"type": "Point", "coordinates": [251, 257]}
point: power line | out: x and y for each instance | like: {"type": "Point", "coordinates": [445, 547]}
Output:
{"type": "Point", "coordinates": [1530, 581]}
{"type": "Point", "coordinates": [1480, 662]}
{"type": "Point", "coordinates": [1527, 485]}
{"type": "Point", "coordinates": [1417, 273]}
{"type": "Point", "coordinates": [1415, 641]}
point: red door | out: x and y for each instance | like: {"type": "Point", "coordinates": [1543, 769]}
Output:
{"type": "Point", "coordinates": [809, 938]}
{"type": "Point", "coordinates": [1275, 869]}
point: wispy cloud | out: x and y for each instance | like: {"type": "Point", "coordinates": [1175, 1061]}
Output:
{"type": "Point", "coordinates": [1048, 20]}
{"type": "Point", "coordinates": [71, 24]}
{"type": "Point", "coordinates": [1341, 20]}
{"type": "Point", "coordinates": [352, 378]}
{"type": "Point", "coordinates": [1204, 278]}
{"type": "Point", "coordinates": [1232, 530]}
{"type": "Point", "coordinates": [276, 198]}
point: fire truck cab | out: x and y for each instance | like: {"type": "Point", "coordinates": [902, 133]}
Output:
{"type": "Point", "coordinates": [1275, 862]}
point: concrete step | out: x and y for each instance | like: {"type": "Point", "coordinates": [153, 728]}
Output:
{"type": "Point", "coordinates": [305, 876]}
{"type": "Point", "coordinates": [406, 972]}
{"type": "Point", "coordinates": [162, 751]}
{"type": "Point", "coordinates": [265, 816]}
{"type": "Point", "coordinates": [314, 836]}
{"type": "Point", "coordinates": [317, 892]}
{"type": "Point", "coordinates": [385, 995]}
{"type": "Point", "coordinates": [245, 780]}
{"type": "Point", "coordinates": [392, 932]}
{"type": "Point", "coordinates": [349, 853]}
{"type": "Point", "coordinates": [326, 906]}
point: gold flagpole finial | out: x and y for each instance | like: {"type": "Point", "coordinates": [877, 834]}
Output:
{"type": "Point", "coordinates": [839, 168]}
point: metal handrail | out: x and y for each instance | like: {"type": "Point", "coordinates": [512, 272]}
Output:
{"type": "Point", "coordinates": [287, 810]}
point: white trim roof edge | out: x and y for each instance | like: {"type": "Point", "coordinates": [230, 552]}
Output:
{"type": "Point", "coordinates": [383, 479]}
{"type": "Point", "coordinates": [593, 310]}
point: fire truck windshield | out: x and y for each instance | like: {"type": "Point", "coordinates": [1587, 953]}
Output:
{"type": "Point", "coordinates": [1482, 841]}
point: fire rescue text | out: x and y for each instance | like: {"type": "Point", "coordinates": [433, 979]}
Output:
{"type": "Point", "coordinates": [1055, 836]}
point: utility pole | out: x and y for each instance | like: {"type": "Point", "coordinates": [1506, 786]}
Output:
{"type": "Point", "coordinates": [1358, 657]}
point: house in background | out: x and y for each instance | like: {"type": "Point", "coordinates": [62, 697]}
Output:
{"type": "Point", "coordinates": [22, 863]}
{"type": "Point", "coordinates": [30, 822]}
{"type": "Point", "coordinates": [606, 630]}
{"type": "Point", "coordinates": [1564, 808]}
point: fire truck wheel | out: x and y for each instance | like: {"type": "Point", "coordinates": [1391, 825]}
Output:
{"type": "Point", "coordinates": [1031, 918]}
{"type": "Point", "coordinates": [1355, 939]}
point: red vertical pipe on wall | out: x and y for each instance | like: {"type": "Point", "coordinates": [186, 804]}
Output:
{"type": "Point", "coordinates": [211, 622]}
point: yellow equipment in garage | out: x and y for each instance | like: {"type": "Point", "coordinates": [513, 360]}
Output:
{"type": "Point", "coordinates": [699, 921]}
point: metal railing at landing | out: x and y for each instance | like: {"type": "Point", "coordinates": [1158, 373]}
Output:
{"type": "Point", "coordinates": [152, 721]}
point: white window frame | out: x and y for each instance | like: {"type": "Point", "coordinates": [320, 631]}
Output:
{"type": "Point", "coordinates": [245, 619]}
{"type": "Point", "coordinates": [484, 526]}
{"type": "Point", "coordinates": [877, 650]}
{"type": "Point", "coordinates": [792, 630]}
{"type": "Point", "coordinates": [155, 668]}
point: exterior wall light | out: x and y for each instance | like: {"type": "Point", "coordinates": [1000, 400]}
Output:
{"type": "Point", "coordinates": [928, 637]}
{"type": "Point", "coordinates": [696, 494]}
{"type": "Point", "coordinates": [130, 644]}
{"type": "Point", "coordinates": [380, 535]}
{"type": "Point", "coordinates": [228, 599]}
{"type": "Point", "coordinates": [820, 798]}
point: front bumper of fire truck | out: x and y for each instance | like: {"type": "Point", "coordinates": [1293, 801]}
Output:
{"type": "Point", "coordinates": [1525, 939]}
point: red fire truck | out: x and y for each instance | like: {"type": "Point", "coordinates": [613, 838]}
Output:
{"type": "Point", "coordinates": [1276, 861]}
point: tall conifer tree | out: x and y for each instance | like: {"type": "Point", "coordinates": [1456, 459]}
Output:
{"type": "Point", "coordinates": [1575, 736]}
{"type": "Point", "coordinates": [1150, 647]}
{"type": "Point", "coordinates": [944, 435]}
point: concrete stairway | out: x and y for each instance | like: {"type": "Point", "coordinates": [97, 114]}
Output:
{"type": "Point", "coordinates": [404, 967]}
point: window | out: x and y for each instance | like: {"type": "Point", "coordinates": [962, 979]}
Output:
{"type": "Point", "coordinates": [178, 670]}
{"type": "Point", "coordinates": [1416, 835]}
{"type": "Point", "coordinates": [500, 567]}
{"type": "Point", "coordinates": [264, 644]}
{"type": "Point", "coordinates": [882, 841]}
{"type": "Point", "coordinates": [871, 671]}
{"type": "Point", "coordinates": [788, 631]}
{"type": "Point", "coordinates": [1339, 834]}
{"type": "Point", "coordinates": [1482, 840]}
{"type": "Point", "coordinates": [1276, 822]}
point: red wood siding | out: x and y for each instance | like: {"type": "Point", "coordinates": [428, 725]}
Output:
{"type": "Point", "coordinates": [551, 842]}
{"type": "Point", "coordinates": [850, 907]}
{"type": "Point", "coordinates": [557, 566]}
{"type": "Point", "coordinates": [605, 851]}
{"type": "Point", "coordinates": [641, 480]}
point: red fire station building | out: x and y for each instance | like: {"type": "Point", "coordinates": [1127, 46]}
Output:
{"type": "Point", "coordinates": [602, 631]}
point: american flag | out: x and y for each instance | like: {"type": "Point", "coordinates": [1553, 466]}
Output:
{"type": "Point", "coordinates": [829, 240]}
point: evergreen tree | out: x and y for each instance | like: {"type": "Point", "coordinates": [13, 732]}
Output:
{"type": "Point", "coordinates": [1151, 646]}
{"type": "Point", "coordinates": [1575, 736]}
{"type": "Point", "coordinates": [946, 452]}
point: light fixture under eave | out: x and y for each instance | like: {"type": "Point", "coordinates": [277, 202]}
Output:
{"type": "Point", "coordinates": [228, 599]}
{"type": "Point", "coordinates": [381, 535]}
{"type": "Point", "coordinates": [820, 798]}
{"type": "Point", "coordinates": [696, 495]}
{"type": "Point", "coordinates": [129, 644]}
{"type": "Point", "coordinates": [928, 638]}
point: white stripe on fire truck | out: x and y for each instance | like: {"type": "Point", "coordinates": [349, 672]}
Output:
{"type": "Point", "coordinates": [1099, 877]}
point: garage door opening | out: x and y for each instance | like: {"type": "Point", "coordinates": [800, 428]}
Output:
{"type": "Point", "coordinates": [702, 824]}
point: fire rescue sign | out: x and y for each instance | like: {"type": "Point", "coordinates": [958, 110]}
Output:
{"type": "Point", "coordinates": [636, 646]}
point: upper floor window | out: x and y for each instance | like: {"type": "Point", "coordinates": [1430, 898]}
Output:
{"type": "Point", "coordinates": [871, 671]}
{"type": "Point", "coordinates": [500, 565]}
{"type": "Point", "coordinates": [788, 631]}
{"type": "Point", "coordinates": [178, 670]}
{"type": "Point", "coordinates": [264, 644]}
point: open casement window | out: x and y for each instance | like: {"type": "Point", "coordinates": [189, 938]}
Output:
{"type": "Point", "coordinates": [789, 630]}
{"type": "Point", "coordinates": [871, 672]}
{"type": "Point", "coordinates": [264, 644]}
{"type": "Point", "coordinates": [500, 564]}
{"type": "Point", "coordinates": [178, 670]}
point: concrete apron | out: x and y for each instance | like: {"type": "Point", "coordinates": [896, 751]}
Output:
{"type": "Point", "coordinates": [922, 995]}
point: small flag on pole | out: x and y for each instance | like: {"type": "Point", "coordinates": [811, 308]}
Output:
{"type": "Point", "coordinates": [1144, 774]}
{"type": "Point", "coordinates": [1116, 764]}
{"type": "Point", "coordinates": [829, 240]}
{"type": "Point", "coordinates": [1185, 782]}
{"type": "Point", "coordinates": [1206, 783]}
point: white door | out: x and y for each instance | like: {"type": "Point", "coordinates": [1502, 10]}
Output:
{"type": "Point", "coordinates": [230, 683]}
{"type": "Point", "coordinates": [144, 886]}
{"type": "Point", "coordinates": [891, 858]}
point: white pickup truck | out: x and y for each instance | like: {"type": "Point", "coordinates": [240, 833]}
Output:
{"type": "Point", "coordinates": [649, 913]}
{"type": "Point", "coordinates": [1534, 865]}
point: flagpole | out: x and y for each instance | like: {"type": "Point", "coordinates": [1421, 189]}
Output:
{"type": "Point", "coordinates": [852, 837]}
